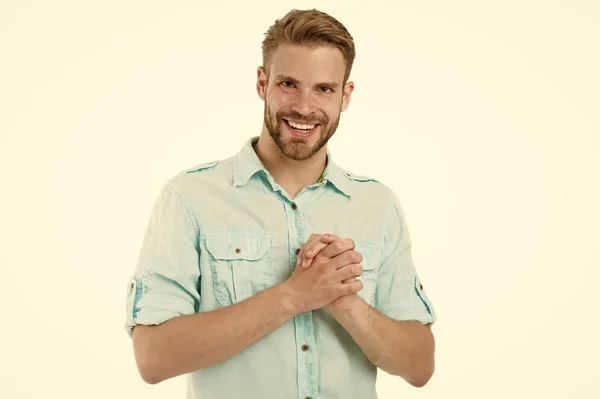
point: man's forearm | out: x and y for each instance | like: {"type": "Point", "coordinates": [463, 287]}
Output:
{"type": "Point", "coordinates": [402, 348]}
{"type": "Point", "coordinates": [192, 342]}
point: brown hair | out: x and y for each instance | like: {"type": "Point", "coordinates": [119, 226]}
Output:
{"type": "Point", "coordinates": [309, 28]}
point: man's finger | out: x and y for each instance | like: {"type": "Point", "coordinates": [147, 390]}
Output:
{"type": "Point", "coordinates": [337, 247]}
{"type": "Point", "coordinates": [313, 249]}
{"type": "Point", "coordinates": [299, 259]}
{"type": "Point", "coordinates": [315, 243]}
{"type": "Point", "coordinates": [302, 253]}
{"type": "Point", "coordinates": [328, 238]}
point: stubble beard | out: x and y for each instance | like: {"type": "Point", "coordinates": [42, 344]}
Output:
{"type": "Point", "coordinates": [297, 149]}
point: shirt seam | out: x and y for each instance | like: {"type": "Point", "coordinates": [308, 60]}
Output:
{"type": "Point", "coordinates": [401, 222]}
{"type": "Point", "coordinates": [189, 212]}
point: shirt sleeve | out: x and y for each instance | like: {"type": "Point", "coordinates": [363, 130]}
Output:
{"type": "Point", "coordinates": [165, 282]}
{"type": "Point", "coordinates": [400, 293]}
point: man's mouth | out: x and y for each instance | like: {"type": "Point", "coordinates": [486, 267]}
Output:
{"type": "Point", "coordinates": [300, 127]}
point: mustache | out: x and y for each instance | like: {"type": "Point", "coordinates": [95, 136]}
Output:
{"type": "Point", "coordinates": [301, 118]}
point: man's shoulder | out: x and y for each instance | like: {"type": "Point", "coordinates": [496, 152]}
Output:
{"type": "Point", "coordinates": [360, 178]}
{"type": "Point", "coordinates": [207, 169]}
{"type": "Point", "coordinates": [201, 167]}
{"type": "Point", "coordinates": [366, 183]}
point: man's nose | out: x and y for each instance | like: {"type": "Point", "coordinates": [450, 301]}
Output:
{"type": "Point", "coordinates": [303, 101]}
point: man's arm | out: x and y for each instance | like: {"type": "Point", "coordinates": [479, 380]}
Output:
{"type": "Point", "coordinates": [195, 341]}
{"type": "Point", "coordinates": [170, 337]}
{"type": "Point", "coordinates": [402, 348]}
{"type": "Point", "coordinates": [191, 342]}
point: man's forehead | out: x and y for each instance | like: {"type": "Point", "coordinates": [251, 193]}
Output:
{"type": "Point", "coordinates": [308, 64]}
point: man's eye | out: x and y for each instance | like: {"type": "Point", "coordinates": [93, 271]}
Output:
{"type": "Point", "coordinates": [287, 83]}
{"type": "Point", "coordinates": [324, 89]}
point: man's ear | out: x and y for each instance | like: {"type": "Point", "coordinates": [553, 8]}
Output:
{"type": "Point", "coordinates": [261, 82]}
{"type": "Point", "coordinates": [348, 89]}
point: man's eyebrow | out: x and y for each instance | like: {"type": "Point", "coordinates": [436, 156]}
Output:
{"type": "Point", "coordinates": [281, 78]}
{"type": "Point", "coordinates": [333, 85]}
{"type": "Point", "coordinates": [284, 78]}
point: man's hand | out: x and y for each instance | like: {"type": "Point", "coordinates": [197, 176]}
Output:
{"type": "Point", "coordinates": [315, 287]}
{"type": "Point", "coordinates": [321, 246]}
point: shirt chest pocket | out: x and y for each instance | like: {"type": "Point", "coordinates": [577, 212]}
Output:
{"type": "Point", "coordinates": [371, 253]}
{"type": "Point", "coordinates": [240, 263]}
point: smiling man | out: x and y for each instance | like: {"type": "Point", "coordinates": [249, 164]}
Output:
{"type": "Point", "coordinates": [275, 273]}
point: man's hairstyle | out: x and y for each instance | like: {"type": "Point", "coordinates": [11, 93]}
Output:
{"type": "Point", "coordinates": [309, 28]}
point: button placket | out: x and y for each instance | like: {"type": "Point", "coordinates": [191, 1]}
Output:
{"type": "Point", "coordinates": [304, 324]}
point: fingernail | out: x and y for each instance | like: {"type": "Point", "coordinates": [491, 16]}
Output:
{"type": "Point", "coordinates": [309, 253]}
{"type": "Point", "coordinates": [305, 262]}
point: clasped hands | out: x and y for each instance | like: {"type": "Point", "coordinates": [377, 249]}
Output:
{"type": "Point", "coordinates": [325, 274]}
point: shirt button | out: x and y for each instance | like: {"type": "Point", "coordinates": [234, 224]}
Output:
{"type": "Point", "coordinates": [237, 250]}
{"type": "Point", "coordinates": [294, 207]}
{"type": "Point", "coordinates": [308, 397]}
{"type": "Point", "coordinates": [297, 251]}
{"type": "Point", "coordinates": [304, 347]}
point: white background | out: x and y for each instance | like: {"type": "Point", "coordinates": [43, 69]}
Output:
{"type": "Point", "coordinates": [482, 116]}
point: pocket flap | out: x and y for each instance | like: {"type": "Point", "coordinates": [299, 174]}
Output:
{"type": "Point", "coordinates": [238, 244]}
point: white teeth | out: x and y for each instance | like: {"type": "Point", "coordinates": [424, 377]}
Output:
{"type": "Point", "coordinates": [301, 127]}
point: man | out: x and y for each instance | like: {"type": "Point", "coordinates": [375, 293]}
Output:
{"type": "Point", "coordinates": [247, 277]}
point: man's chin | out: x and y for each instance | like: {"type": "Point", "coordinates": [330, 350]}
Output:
{"type": "Point", "coordinates": [296, 154]}
{"type": "Point", "coordinates": [296, 149]}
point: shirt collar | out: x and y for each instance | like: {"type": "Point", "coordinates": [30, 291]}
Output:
{"type": "Point", "coordinates": [246, 164]}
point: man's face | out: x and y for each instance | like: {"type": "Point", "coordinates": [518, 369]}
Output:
{"type": "Point", "coordinates": [304, 97]}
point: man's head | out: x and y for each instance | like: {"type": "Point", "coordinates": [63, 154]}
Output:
{"type": "Point", "coordinates": [307, 59]}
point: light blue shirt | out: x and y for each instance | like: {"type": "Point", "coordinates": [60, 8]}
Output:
{"type": "Point", "coordinates": [189, 263]}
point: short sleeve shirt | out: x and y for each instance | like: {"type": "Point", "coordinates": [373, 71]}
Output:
{"type": "Point", "coordinates": [223, 231]}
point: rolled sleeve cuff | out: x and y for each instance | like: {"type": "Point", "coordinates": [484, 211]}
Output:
{"type": "Point", "coordinates": [146, 308]}
{"type": "Point", "coordinates": [418, 308]}
{"type": "Point", "coordinates": [411, 315]}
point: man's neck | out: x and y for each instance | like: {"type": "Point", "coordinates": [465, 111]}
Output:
{"type": "Point", "coordinates": [292, 175]}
